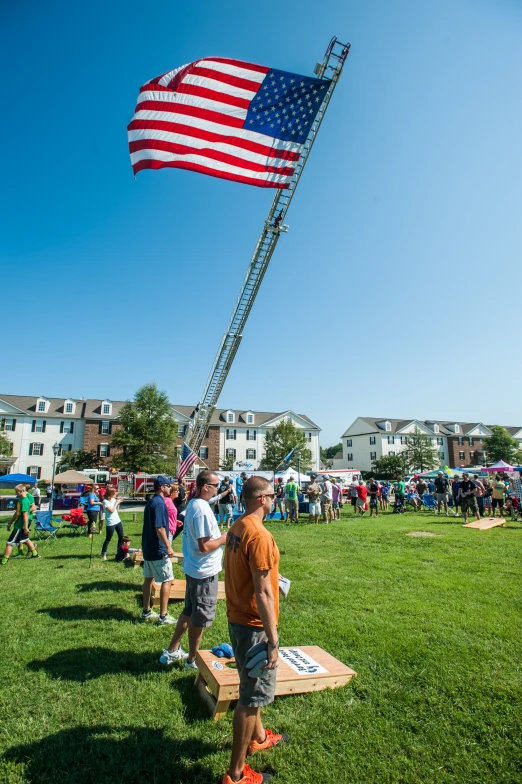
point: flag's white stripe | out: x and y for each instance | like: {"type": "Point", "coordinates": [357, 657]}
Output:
{"type": "Point", "coordinates": [209, 163]}
{"type": "Point", "coordinates": [229, 149]}
{"type": "Point", "coordinates": [170, 75]}
{"type": "Point", "coordinates": [227, 130]}
{"type": "Point", "coordinates": [233, 70]}
{"type": "Point", "coordinates": [194, 100]}
{"type": "Point", "coordinates": [220, 87]}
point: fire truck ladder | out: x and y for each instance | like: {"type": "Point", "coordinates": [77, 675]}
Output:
{"type": "Point", "coordinates": [330, 68]}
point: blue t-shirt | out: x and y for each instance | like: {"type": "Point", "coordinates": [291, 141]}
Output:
{"type": "Point", "coordinates": [431, 486]}
{"type": "Point", "coordinates": [239, 486]}
{"type": "Point", "coordinates": [93, 503]}
{"type": "Point", "coordinates": [155, 516]}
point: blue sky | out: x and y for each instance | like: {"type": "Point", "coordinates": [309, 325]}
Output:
{"type": "Point", "coordinates": [396, 291]}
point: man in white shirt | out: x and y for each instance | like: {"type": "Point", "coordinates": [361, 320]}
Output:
{"type": "Point", "coordinates": [202, 562]}
{"type": "Point", "coordinates": [327, 501]}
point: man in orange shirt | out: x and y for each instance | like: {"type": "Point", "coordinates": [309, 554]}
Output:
{"type": "Point", "coordinates": [252, 592]}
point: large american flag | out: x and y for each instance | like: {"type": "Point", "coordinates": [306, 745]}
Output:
{"type": "Point", "coordinates": [226, 118]}
{"type": "Point", "coordinates": [188, 458]}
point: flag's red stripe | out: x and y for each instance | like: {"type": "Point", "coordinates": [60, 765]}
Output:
{"type": "Point", "coordinates": [153, 164]}
{"type": "Point", "coordinates": [238, 63]}
{"type": "Point", "coordinates": [208, 136]}
{"type": "Point", "coordinates": [207, 152]}
{"type": "Point", "coordinates": [219, 76]}
{"type": "Point", "coordinates": [193, 111]}
{"type": "Point", "coordinates": [213, 95]}
{"type": "Point", "coordinates": [152, 86]}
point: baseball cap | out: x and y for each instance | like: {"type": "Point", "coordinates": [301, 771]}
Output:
{"type": "Point", "coordinates": [161, 480]}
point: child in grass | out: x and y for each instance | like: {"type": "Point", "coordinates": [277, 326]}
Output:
{"type": "Point", "coordinates": [21, 520]}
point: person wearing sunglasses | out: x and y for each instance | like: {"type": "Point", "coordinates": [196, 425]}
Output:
{"type": "Point", "coordinates": [202, 562]}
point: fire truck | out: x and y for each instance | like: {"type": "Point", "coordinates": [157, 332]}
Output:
{"type": "Point", "coordinates": [128, 484]}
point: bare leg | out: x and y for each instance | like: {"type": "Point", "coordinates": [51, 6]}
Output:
{"type": "Point", "coordinates": [195, 633]}
{"type": "Point", "coordinates": [8, 550]}
{"type": "Point", "coordinates": [147, 585]}
{"type": "Point", "coordinates": [247, 724]}
{"type": "Point", "coordinates": [164, 597]}
{"type": "Point", "coordinates": [181, 628]}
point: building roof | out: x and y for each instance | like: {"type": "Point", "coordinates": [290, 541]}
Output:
{"type": "Point", "coordinates": [445, 425]}
{"type": "Point", "coordinates": [260, 417]}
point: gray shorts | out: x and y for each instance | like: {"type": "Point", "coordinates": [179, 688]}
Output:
{"type": "Point", "coordinates": [253, 692]}
{"type": "Point", "coordinates": [160, 571]}
{"type": "Point", "coordinates": [442, 497]}
{"type": "Point", "coordinates": [201, 600]}
{"type": "Point", "coordinates": [225, 510]}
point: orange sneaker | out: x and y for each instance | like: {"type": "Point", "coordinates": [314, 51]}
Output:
{"type": "Point", "coordinates": [271, 739]}
{"type": "Point", "coordinates": [249, 777]}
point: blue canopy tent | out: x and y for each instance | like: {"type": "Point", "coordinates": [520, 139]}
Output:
{"type": "Point", "coordinates": [10, 480]}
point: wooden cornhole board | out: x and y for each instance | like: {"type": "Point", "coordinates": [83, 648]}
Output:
{"type": "Point", "coordinates": [177, 591]}
{"type": "Point", "coordinates": [137, 559]}
{"type": "Point", "coordinates": [485, 523]}
{"type": "Point", "coordinates": [218, 684]}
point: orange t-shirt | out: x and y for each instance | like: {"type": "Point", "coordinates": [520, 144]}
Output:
{"type": "Point", "coordinates": [250, 548]}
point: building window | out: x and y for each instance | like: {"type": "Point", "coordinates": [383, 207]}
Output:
{"type": "Point", "coordinates": [404, 440]}
{"type": "Point", "coordinates": [461, 455]}
{"type": "Point", "coordinates": [66, 427]}
{"type": "Point", "coordinates": [472, 456]}
{"type": "Point", "coordinates": [372, 440]}
{"type": "Point", "coordinates": [348, 442]}
{"type": "Point", "coordinates": [251, 454]}
{"type": "Point", "coordinates": [440, 441]}
{"type": "Point", "coordinates": [181, 431]}
{"type": "Point", "coordinates": [9, 425]}
{"type": "Point", "coordinates": [442, 455]}
{"type": "Point", "coordinates": [35, 448]}
{"type": "Point", "coordinates": [231, 453]}
{"type": "Point", "coordinates": [39, 426]}
{"type": "Point", "coordinates": [349, 456]}
{"type": "Point", "coordinates": [105, 428]}
{"type": "Point", "coordinates": [203, 452]}
{"type": "Point", "coordinates": [231, 434]}
{"type": "Point", "coordinates": [106, 409]}
{"type": "Point", "coordinates": [309, 436]}
{"type": "Point", "coordinates": [68, 408]}
{"type": "Point", "coordinates": [470, 441]}
{"type": "Point", "coordinates": [460, 440]}
{"type": "Point", "coordinates": [41, 406]}
{"type": "Point", "coordinates": [250, 419]}
{"type": "Point", "coordinates": [387, 425]}
{"type": "Point", "coordinates": [391, 440]}
{"type": "Point", "coordinates": [251, 435]}
{"type": "Point", "coordinates": [35, 472]}
{"type": "Point", "coordinates": [230, 416]}
{"type": "Point", "coordinates": [391, 453]}
{"type": "Point", "coordinates": [435, 428]}
{"type": "Point", "coordinates": [373, 455]}
{"type": "Point", "coordinates": [457, 429]}
{"type": "Point", "coordinates": [104, 450]}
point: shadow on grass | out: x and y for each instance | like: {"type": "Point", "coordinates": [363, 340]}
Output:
{"type": "Point", "coordinates": [82, 755]}
{"type": "Point", "coordinates": [65, 557]}
{"type": "Point", "coordinates": [80, 612]}
{"type": "Point", "coordinates": [195, 709]}
{"type": "Point", "coordinates": [106, 585]}
{"type": "Point", "coordinates": [85, 664]}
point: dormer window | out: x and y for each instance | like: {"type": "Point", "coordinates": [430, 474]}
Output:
{"type": "Point", "coordinates": [106, 408]}
{"type": "Point", "coordinates": [68, 406]}
{"type": "Point", "coordinates": [387, 426]}
{"type": "Point", "coordinates": [457, 428]}
{"type": "Point", "coordinates": [42, 404]}
{"type": "Point", "coordinates": [435, 428]}
{"type": "Point", "coordinates": [230, 416]}
{"type": "Point", "coordinates": [250, 418]}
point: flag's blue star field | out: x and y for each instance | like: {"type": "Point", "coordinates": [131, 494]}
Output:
{"type": "Point", "coordinates": [285, 105]}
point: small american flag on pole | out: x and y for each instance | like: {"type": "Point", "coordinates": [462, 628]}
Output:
{"type": "Point", "coordinates": [226, 118]}
{"type": "Point", "coordinates": [188, 458]}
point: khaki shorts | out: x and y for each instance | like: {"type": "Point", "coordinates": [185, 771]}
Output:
{"type": "Point", "coordinates": [291, 504]}
{"type": "Point", "coordinates": [327, 505]}
{"type": "Point", "coordinates": [160, 571]}
{"type": "Point", "coordinates": [253, 692]}
{"type": "Point", "coordinates": [201, 600]}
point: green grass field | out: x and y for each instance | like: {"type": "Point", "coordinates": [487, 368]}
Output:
{"type": "Point", "coordinates": [432, 625]}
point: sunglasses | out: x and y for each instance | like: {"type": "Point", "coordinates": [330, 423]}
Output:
{"type": "Point", "coordinates": [212, 484]}
{"type": "Point", "coordinates": [266, 495]}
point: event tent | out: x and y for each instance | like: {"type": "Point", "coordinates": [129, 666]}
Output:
{"type": "Point", "coordinates": [291, 473]}
{"type": "Point", "coordinates": [447, 471]}
{"type": "Point", "coordinates": [500, 466]}
{"type": "Point", "coordinates": [10, 480]}
{"type": "Point", "coordinates": [73, 478]}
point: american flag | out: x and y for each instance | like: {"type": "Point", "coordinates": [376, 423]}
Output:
{"type": "Point", "coordinates": [188, 458]}
{"type": "Point", "coordinates": [225, 118]}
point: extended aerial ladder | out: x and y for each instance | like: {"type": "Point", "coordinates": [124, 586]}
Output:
{"type": "Point", "coordinates": [331, 69]}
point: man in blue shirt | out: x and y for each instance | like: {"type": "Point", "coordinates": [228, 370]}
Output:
{"type": "Point", "coordinates": [157, 552]}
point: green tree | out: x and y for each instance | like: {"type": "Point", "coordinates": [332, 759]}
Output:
{"type": "Point", "coordinates": [227, 464]}
{"type": "Point", "coordinates": [148, 433]}
{"type": "Point", "coordinates": [328, 453]}
{"type": "Point", "coordinates": [420, 453]}
{"type": "Point", "coordinates": [279, 441]}
{"type": "Point", "coordinates": [6, 446]}
{"type": "Point", "coordinates": [81, 461]}
{"type": "Point", "coordinates": [502, 446]}
{"type": "Point", "coordinates": [388, 467]}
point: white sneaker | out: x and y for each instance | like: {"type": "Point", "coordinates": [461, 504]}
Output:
{"type": "Point", "coordinates": [191, 665]}
{"type": "Point", "coordinates": [166, 620]}
{"type": "Point", "coordinates": [150, 615]}
{"type": "Point", "coordinates": [169, 657]}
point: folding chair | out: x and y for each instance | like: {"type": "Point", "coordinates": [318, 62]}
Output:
{"type": "Point", "coordinates": [428, 502]}
{"type": "Point", "coordinates": [43, 528]}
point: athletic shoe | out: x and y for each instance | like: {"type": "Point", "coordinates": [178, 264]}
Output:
{"type": "Point", "coordinates": [191, 665]}
{"type": "Point", "coordinates": [271, 739]}
{"type": "Point", "coordinates": [3, 561]}
{"type": "Point", "coordinates": [104, 557]}
{"type": "Point", "coordinates": [35, 554]}
{"type": "Point", "coordinates": [150, 615]}
{"type": "Point", "coordinates": [20, 555]}
{"type": "Point", "coordinates": [166, 620]}
{"type": "Point", "coordinates": [169, 657]}
{"type": "Point", "coordinates": [249, 777]}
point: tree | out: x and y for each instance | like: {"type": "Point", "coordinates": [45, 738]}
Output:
{"type": "Point", "coordinates": [502, 446]}
{"type": "Point", "coordinates": [148, 433]}
{"type": "Point", "coordinates": [328, 453]}
{"type": "Point", "coordinates": [6, 446]}
{"type": "Point", "coordinates": [419, 453]}
{"type": "Point", "coordinates": [279, 441]}
{"type": "Point", "coordinates": [227, 464]}
{"type": "Point", "coordinates": [78, 463]}
{"type": "Point", "coordinates": [388, 467]}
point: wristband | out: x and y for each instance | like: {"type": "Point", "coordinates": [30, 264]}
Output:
{"type": "Point", "coordinates": [273, 644]}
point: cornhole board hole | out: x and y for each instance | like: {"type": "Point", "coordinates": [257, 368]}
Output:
{"type": "Point", "coordinates": [177, 591]}
{"type": "Point", "coordinates": [137, 559]}
{"type": "Point", "coordinates": [485, 523]}
{"type": "Point", "coordinates": [218, 684]}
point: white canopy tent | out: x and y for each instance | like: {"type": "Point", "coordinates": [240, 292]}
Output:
{"type": "Point", "coordinates": [291, 473]}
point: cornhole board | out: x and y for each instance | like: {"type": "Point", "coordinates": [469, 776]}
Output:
{"type": "Point", "coordinates": [485, 523]}
{"type": "Point", "coordinates": [137, 559]}
{"type": "Point", "coordinates": [177, 591]}
{"type": "Point", "coordinates": [218, 684]}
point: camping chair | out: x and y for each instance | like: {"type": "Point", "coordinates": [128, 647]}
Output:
{"type": "Point", "coordinates": [428, 502]}
{"type": "Point", "coordinates": [76, 522]}
{"type": "Point", "coordinates": [43, 528]}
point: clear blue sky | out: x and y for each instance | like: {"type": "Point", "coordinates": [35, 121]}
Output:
{"type": "Point", "coordinates": [396, 291]}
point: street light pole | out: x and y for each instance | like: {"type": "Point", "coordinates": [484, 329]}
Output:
{"type": "Point", "coordinates": [56, 450]}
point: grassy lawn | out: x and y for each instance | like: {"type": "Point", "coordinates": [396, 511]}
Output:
{"type": "Point", "coordinates": [432, 625]}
